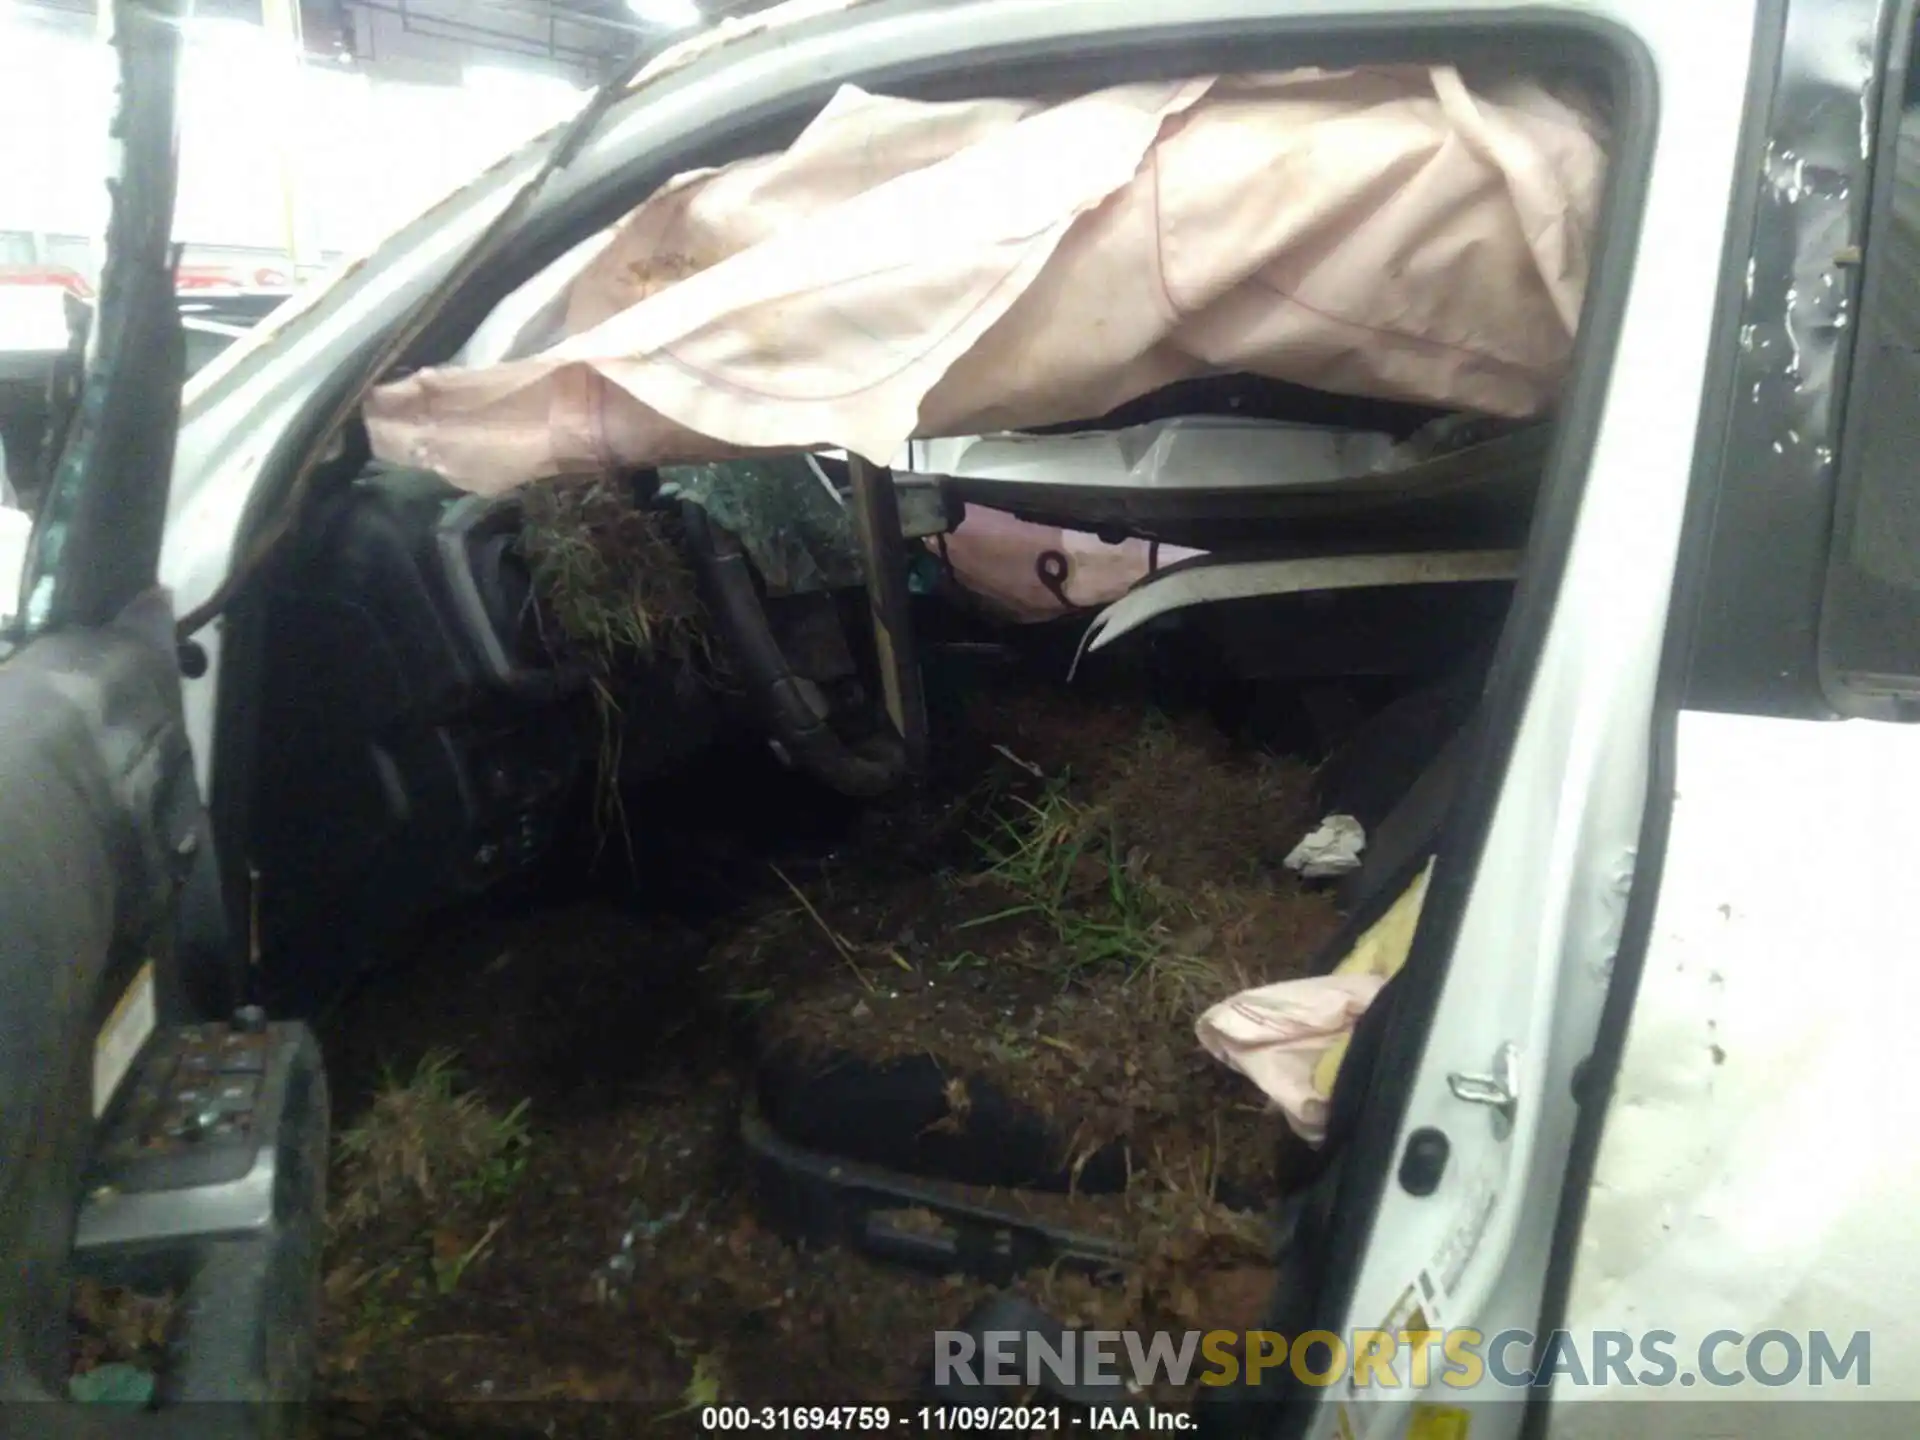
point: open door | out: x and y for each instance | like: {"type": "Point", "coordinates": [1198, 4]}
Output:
{"type": "Point", "coordinates": [161, 1151]}
{"type": "Point", "coordinates": [1870, 618]}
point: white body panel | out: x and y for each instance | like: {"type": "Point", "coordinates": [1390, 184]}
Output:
{"type": "Point", "coordinates": [1174, 454]}
{"type": "Point", "coordinates": [1758, 1169]}
{"type": "Point", "coordinates": [1544, 919]}
{"type": "Point", "coordinates": [1207, 581]}
{"type": "Point", "coordinates": [16, 526]}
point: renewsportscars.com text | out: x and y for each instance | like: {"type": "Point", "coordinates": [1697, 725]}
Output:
{"type": "Point", "coordinates": [1413, 1359]}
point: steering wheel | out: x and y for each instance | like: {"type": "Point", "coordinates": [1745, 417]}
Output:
{"type": "Point", "coordinates": [792, 707]}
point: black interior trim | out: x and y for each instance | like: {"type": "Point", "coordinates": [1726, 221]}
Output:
{"type": "Point", "coordinates": [868, 770]}
{"type": "Point", "coordinates": [97, 784]}
{"type": "Point", "coordinates": [1756, 649]}
{"type": "Point", "coordinates": [1869, 628]}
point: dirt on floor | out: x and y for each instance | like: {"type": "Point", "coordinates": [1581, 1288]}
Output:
{"type": "Point", "coordinates": [119, 1336]}
{"type": "Point", "coordinates": [1113, 897]}
{"type": "Point", "coordinates": [541, 1193]}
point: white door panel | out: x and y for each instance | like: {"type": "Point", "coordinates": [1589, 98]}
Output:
{"type": "Point", "coordinates": [1758, 1165]}
{"type": "Point", "coordinates": [1543, 919]}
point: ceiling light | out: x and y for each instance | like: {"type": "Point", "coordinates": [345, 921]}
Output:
{"type": "Point", "coordinates": [666, 14]}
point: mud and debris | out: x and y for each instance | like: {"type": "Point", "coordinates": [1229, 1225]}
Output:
{"type": "Point", "coordinates": [1040, 927]}
{"type": "Point", "coordinates": [610, 573]}
{"type": "Point", "coordinates": [119, 1341]}
{"type": "Point", "coordinates": [1060, 968]}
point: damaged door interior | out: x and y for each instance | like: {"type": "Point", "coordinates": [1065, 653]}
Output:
{"type": "Point", "coordinates": [1039, 767]}
{"type": "Point", "coordinates": [163, 1152]}
{"type": "Point", "coordinates": [1870, 614]}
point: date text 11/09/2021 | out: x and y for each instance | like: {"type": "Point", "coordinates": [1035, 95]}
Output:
{"type": "Point", "coordinates": [1022, 1419]}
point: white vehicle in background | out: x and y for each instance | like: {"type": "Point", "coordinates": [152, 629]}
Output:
{"type": "Point", "coordinates": [34, 341]}
{"type": "Point", "coordinates": [15, 528]}
{"type": "Point", "coordinates": [37, 354]}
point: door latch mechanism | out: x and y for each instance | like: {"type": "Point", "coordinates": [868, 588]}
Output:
{"type": "Point", "coordinates": [1500, 1090]}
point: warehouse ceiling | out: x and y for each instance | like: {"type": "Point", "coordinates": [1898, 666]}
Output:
{"type": "Point", "coordinates": [432, 40]}
{"type": "Point", "coordinates": [587, 37]}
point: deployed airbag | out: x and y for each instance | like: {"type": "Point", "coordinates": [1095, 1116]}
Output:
{"type": "Point", "coordinates": [962, 268]}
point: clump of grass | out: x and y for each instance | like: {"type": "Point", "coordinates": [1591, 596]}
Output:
{"type": "Point", "coordinates": [612, 579]}
{"type": "Point", "coordinates": [1065, 863]}
{"type": "Point", "coordinates": [610, 573]}
{"type": "Point", "coordinates": [704, 1385]}
{"type": "Point", "coordinates": [1035, 851]}
{"type": "Point", "coordinates": [427, 1142]}
{"type": "Point", "coordinates": [1068, 863]}
{"type": "Point", "coordinates": [1186, 977]}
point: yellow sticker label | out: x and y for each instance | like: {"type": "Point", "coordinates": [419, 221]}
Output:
{"type": "Point", "coordinates": [118, 1044]}
{"type": "Point", "coordinates": [1437, 1422]}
